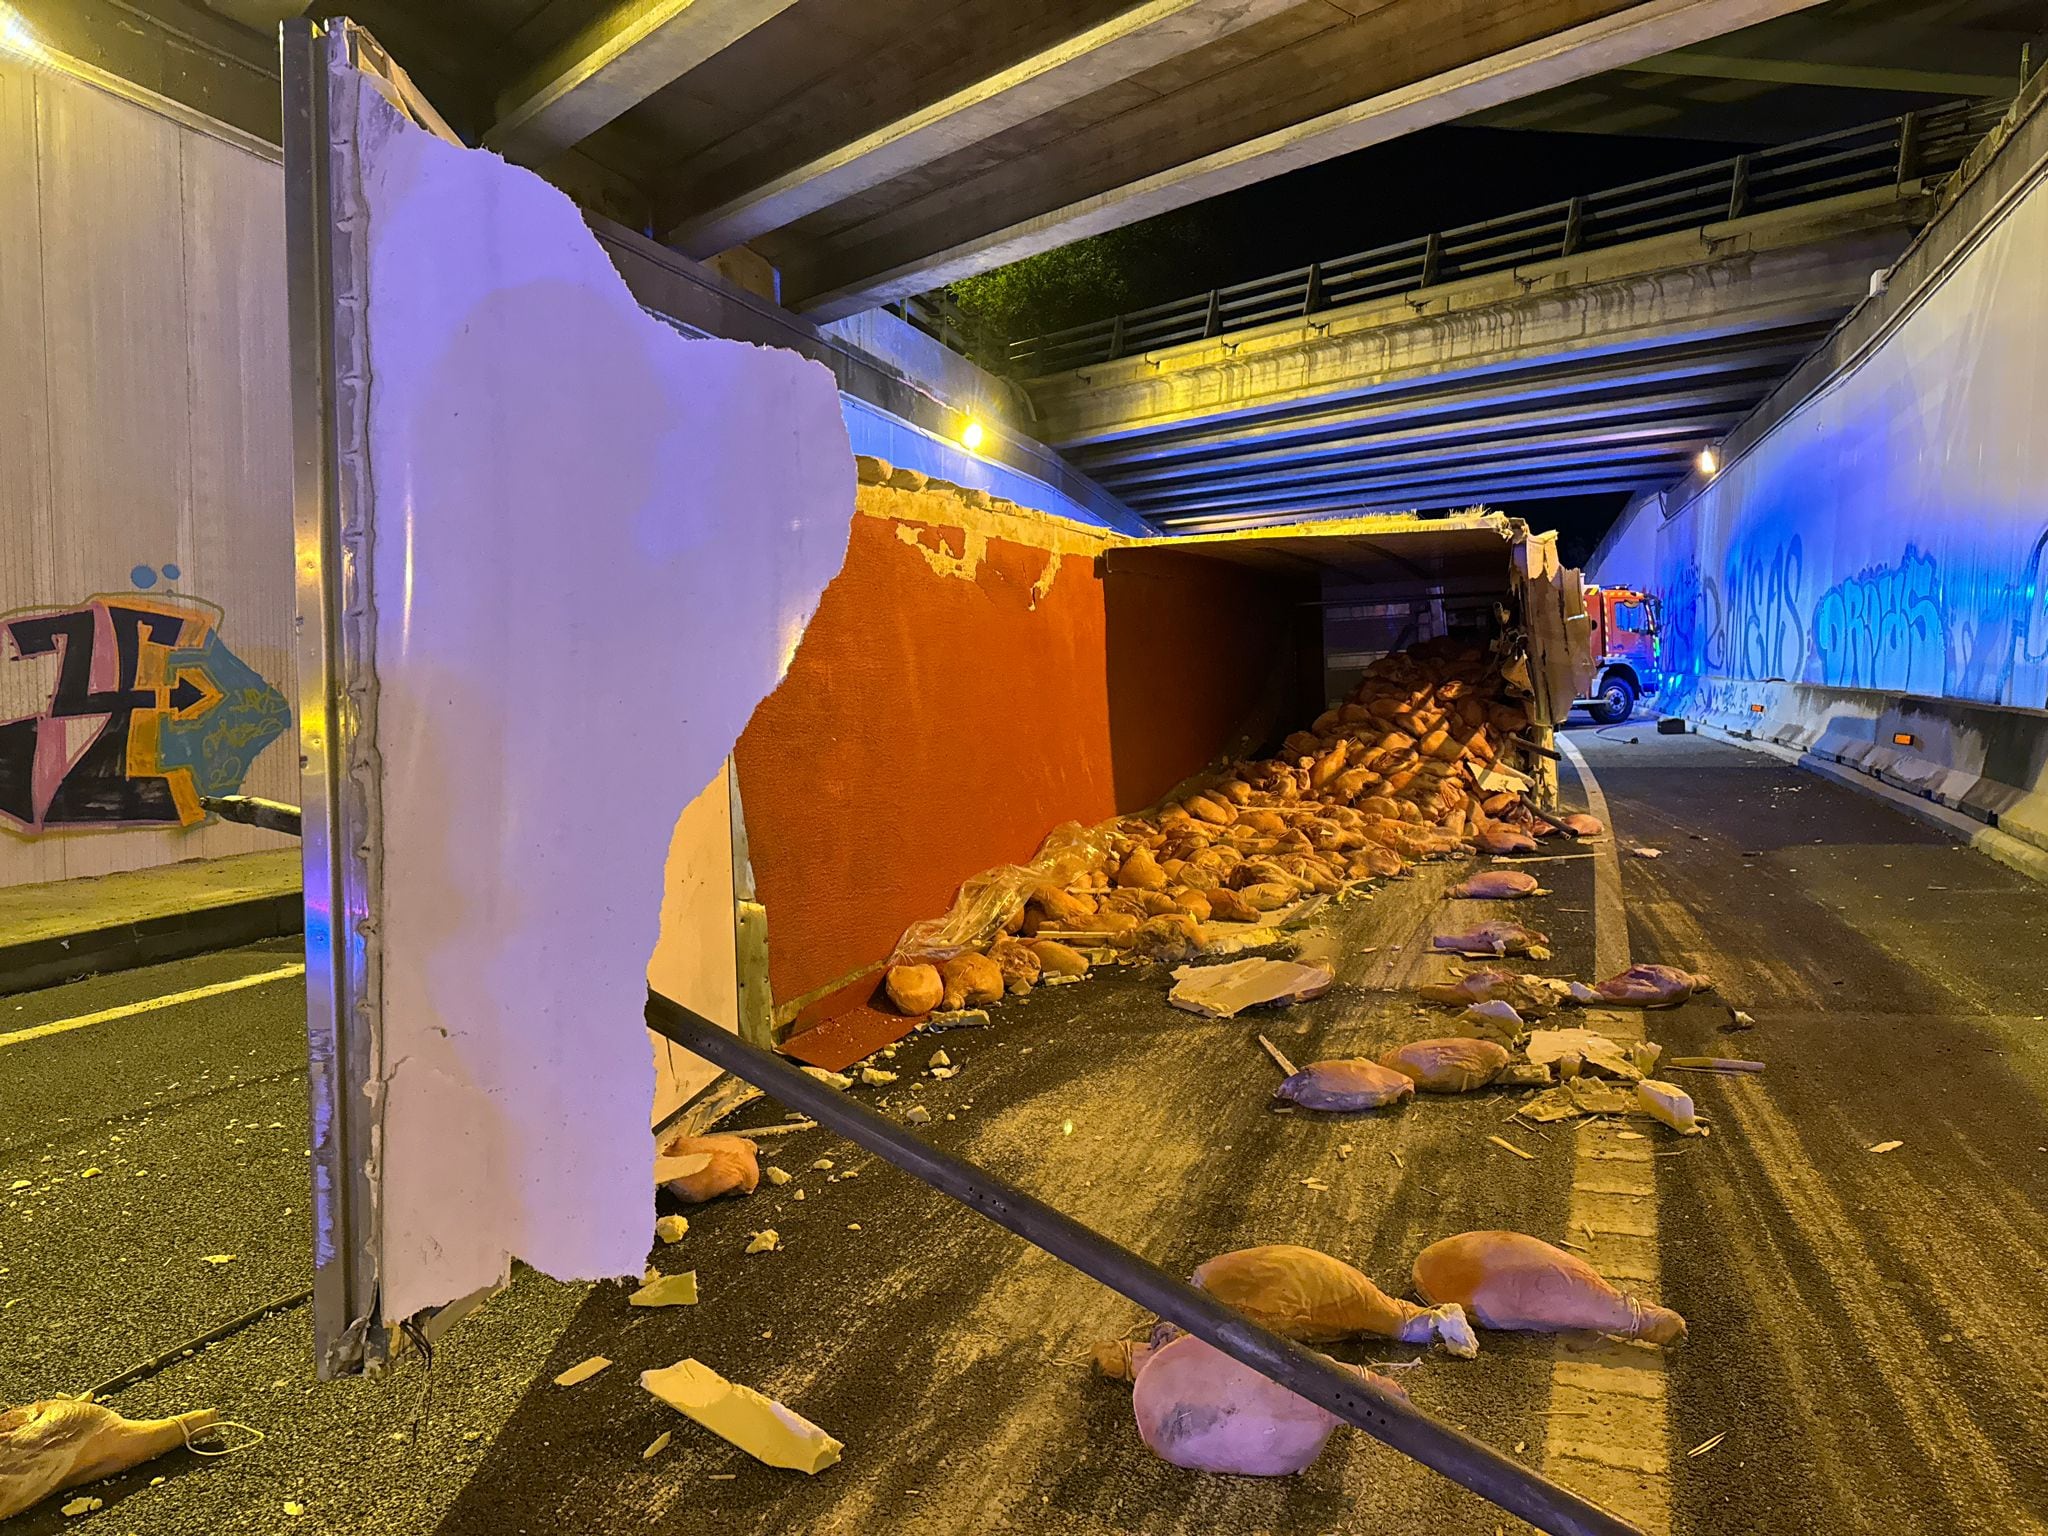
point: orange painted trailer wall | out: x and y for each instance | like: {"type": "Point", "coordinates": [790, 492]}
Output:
{"type": "Point", "coordinates": [969, 682]}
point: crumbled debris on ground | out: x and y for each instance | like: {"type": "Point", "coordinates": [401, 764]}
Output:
{"type": "Point", "coordinates": [918, 1115]}
{"type": "Point", "coordinates": [777, 1176]}
{"type": "Point", "coordinates": [766, 1241]}
{"type": "Point", "coordinates": [758, 1425]}
{"type": "Point", "coordinates": [955, 1018]}
{"type": "Point", "coordinates": [1223, 991]}
{"type": "Point", "coordinates": [1280, 1060]}
{"type": "Point", "coordinates": [1647, 853]}
{"type": "Point", "coordinates": [670, 1229]}
{"type": "Point", "coordinates": [1531, 996]}
{"type": "Point", "coordinates": [834, 1079]}
{"type": "Point", "coordinates": [576, 1375]}
{"type": "Point", "coordinates": [1503, 1142]}
{"type": "Point", "coordinates": [1579, 1096]}
{"type": "Point", "coordinates": [1888, 1146]}
{"type": "Point", "coordinates": [659, 1444]}
{"type": "Point", "coordinates": [875, 1077]}
{"type": "Point", "coordinates": [668, 1291]}
{"type": "Point", "coordinates": [1737, 1020]}
{"type": "Point", "coordinates": [1547, 1047]}
{"type": "Point", "coordinates": [1715, 1064]}
{"type": "Point", "coordinates": [1494, 1014]}
{"type": "Point", "coordinates": [1671, 1105]}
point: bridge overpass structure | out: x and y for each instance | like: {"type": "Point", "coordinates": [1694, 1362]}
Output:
{"type": "Point", "coordinates": [1599, 345]}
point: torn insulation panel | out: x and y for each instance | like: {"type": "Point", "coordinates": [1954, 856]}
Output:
{"type": "Point", "coordinates": [589, 547]}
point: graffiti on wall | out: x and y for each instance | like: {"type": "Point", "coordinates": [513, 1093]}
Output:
{"type": "Point", "coordinates": [1907, 625]}
{"type": "Point", "coordinates": [1885, 627]}
{"type": "Point", "coordinates": [1745, 623]}
{"type": "Point", "coordinates": [1760, 633]}
{"type": "Point", "coordinates": [138, 709]}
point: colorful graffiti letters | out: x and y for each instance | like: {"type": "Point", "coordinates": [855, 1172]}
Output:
{"type": "Point", "coordinates": [147, 710]}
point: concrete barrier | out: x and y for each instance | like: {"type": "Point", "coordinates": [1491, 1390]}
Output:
{"type": "Point", "coordinates": [1986, 762]}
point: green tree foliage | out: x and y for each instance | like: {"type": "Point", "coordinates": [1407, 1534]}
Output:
{"type": "Point", "coordinates": [1091, 279]}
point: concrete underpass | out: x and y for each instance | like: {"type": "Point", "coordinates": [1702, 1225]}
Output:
{"type": "Point", "coordinates": [506, 506]}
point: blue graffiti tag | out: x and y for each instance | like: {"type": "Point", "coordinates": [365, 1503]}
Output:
{"type": "Point", "coordinates": [1885, 627]}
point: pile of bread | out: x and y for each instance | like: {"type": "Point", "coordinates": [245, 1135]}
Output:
{"type": "Point", "coordinates": [1388, 778]}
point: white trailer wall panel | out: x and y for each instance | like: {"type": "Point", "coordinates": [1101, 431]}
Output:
{"type": "Point", "coordinates": [1891, 534]}
{"type": "Point", "coordinates": [145, 490]}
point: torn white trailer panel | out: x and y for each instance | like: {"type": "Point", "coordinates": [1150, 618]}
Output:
{"type": "Point", "coordinates": [584, 549]}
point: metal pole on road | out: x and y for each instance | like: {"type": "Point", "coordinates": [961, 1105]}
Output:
{"type": "Point", "coordinates": [1381, 1414]}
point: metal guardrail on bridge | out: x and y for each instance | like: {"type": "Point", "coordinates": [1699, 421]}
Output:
{"type": "Point", "coordinates": [1927, 143]}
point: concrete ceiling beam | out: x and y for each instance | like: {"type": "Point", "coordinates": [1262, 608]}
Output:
{"type": "Point", "coordinates": [1205, 384]}
{"type": "Point", "coordinates": [1449, 492]}
{"type": "Point", "coordinates": [1595, 440]}
{"type": "Point", "coordinates": [1381, 74]}
{"type": "Point", "coordinates": [1147, 35]}
{"type": "Point", "coordinates": [1709, 409]}
{"type": "Point", "coordinates": [1855, 77]}
{"type": "Point", "coordinates": [1710, 373]}
{"type": "Point", "coordinates": [622, 57]}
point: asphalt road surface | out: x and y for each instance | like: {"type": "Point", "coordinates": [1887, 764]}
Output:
{"type": "Point", "coordinates": [1865, 1353]}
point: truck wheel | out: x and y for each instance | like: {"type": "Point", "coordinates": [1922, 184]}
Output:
{"type": "Point", "coordinates": [1616, 703]}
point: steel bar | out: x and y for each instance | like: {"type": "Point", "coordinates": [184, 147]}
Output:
{"type": "Point", "coordinates": [1384, 1415]}
{"type": "Point", "coordinates": [337, 820]}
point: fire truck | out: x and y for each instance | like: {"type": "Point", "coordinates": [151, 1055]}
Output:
{"type": "Point", "coordinates": [1626, 624]}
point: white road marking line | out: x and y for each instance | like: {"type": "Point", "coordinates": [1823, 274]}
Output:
{"type": "Point", "coordinates": [1609, 1426]}
{"type": "Point", "coordinates": [152, 1004]}
{"type": "Point", "coordinates": [1610, 917]}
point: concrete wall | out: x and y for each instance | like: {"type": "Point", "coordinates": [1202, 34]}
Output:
{"type": "Point", "coordinates": [1627, 556]}
{"type": "Point", "coordinates": [969, 682]}
{"type": "Point", "coordinates": [145, 490]}
{"type": "Point", "coordinates": [1879, 547]}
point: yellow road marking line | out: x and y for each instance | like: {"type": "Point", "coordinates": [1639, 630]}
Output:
{"type": "Point", "coordinates": [151, 1004]}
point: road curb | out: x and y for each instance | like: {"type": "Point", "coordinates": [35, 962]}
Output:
{"type": "Point", "coordinates": [123, 946]}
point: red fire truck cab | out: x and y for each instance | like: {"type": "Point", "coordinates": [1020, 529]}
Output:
{"type": "Point", "coordinates": [1626, 624]}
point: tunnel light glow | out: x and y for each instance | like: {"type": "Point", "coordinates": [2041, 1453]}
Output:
{"type": "Point", "coordinates": [15, 36]}
{"type": "Point", "coordinates": [971, 436]}
{"type": "Point", "coordinates": [1708, 462]}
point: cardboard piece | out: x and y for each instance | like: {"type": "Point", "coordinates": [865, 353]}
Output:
{"type": "Point", "coordinates": [758, 1425]}
{"type": "Point", "coordinates": [1222, 991]}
